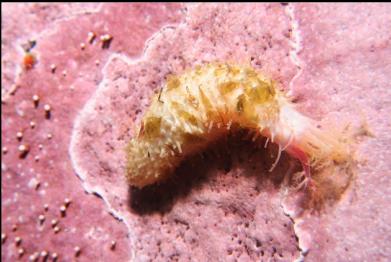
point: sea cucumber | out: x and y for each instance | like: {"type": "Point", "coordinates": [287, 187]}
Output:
{"type": "Point", "coordinates": [199, 106]}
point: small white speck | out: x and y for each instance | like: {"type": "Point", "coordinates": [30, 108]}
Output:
{"type": "Point", "coordinates": [56, 229]}
{"type": "Point", "coordinates": [3, 238]}
{"type": "Point", "coordinates": [33, 183]}
{"type": "Point", "coordinates": [54, 222]}
{"type": "Point", "coordinates": [34, 257]}
{"type": "Point", "coordinates": [44, 254]}
{"type": "Point", "coordinates": [90, 37]}
{"type": "Point", "coordinates": [53, 68]}
{"type": "Point", "coordinates": [77, 250]}
{"type": "Point", "coordinates": [35, 98]}
{"type": "Point", "coordinates": [3, 167]}
{"type": "Point", "coordinates": [19, 135]}
{"type": "Point", "coordinates": [113, 244]}
{"type": "Point", "coordinates": [18, 241]}
{"type": "Point", "coordinates": [5, 150]}
{"type": "Point", "coordinates": [67, 202]}
{"type": "Point", "coordinates": [23, 148]}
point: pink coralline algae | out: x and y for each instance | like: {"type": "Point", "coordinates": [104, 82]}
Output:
{"type": "Point", "coordinates": [46, 214]}
{"type": "Point", "coordinates": [69, 117]}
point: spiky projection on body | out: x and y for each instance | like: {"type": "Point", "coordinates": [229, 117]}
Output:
{"type": "Point", "coordinates": [201, 105]}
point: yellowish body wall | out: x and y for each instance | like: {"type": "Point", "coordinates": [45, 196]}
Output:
{"type": "Point", "coordinates": [202, 104]}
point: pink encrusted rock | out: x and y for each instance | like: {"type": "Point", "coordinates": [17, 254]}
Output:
{"type": "Point", "coordinates": [31, 19]}
{"type": "Point", "coordinates": [201, 213]}
{"type": "Point", "coordinates": [45, 210]}
{"type": "Point", "coordinates": [216, 207]}
{"type": "Point", "coordinates": [346, 61]}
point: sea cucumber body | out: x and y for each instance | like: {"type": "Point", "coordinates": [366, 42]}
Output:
{"type": "Point", "coordinates": [203, 104]}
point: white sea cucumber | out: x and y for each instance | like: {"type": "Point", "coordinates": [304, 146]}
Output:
{"type": "Point", "coordinates": [202, 104]}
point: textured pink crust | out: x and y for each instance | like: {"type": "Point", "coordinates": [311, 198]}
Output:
{"type": "Point", "coordinates": [202, 209]}
{"type": "Point", "coordinates": [334, 59]}
{"type": "Point", "coordinates": [346, 75]}
{"type": "Point", "coordinates": [46, 175]}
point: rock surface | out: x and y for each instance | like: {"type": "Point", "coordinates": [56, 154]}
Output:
{"type": "Point", "coordinates": [242, 222]}
{"type": "Point", "coordinates": [346, 61]}
{"type": "Point", "coordinates": [223, 205]}
{"type": "Point", "coordinates": [45, 176]}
